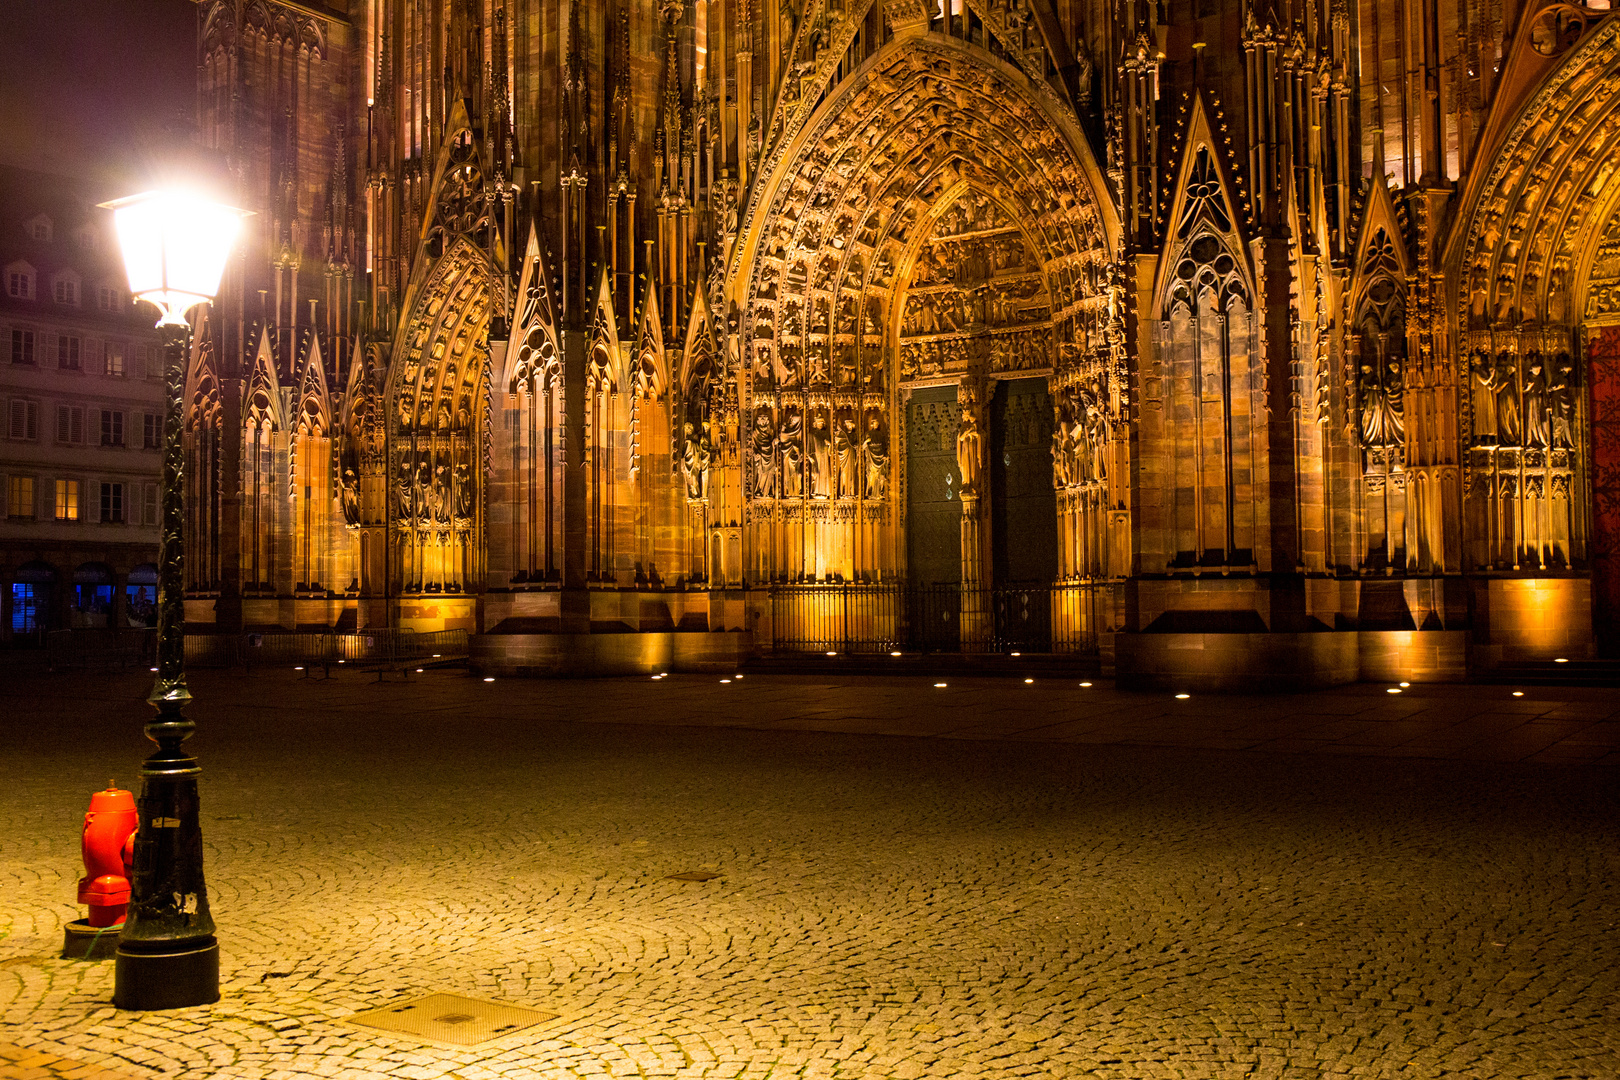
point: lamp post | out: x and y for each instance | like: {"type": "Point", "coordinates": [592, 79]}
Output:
{"type": "Point", "coordinates": [174, 247]}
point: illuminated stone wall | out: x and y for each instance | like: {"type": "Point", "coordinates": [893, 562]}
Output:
{"type": "Point", "coordinates": [600, 309]}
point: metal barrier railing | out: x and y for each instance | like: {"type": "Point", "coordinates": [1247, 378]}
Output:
{"type": "Point", "coordinates": [379, 648]}
{"type": "Point", "coordinates": [935, 618]}
{"type": "Point", "coordinates": [87, 647]}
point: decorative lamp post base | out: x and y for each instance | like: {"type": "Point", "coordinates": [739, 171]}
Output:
{"type": "Point", "coordinates": [167, 980]}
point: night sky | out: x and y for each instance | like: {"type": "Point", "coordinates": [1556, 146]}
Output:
{"type": "Point", "coordinates": [96, 88]}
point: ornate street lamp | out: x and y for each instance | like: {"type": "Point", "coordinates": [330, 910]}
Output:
{"type": "Point", "coordinates": [175, 245]}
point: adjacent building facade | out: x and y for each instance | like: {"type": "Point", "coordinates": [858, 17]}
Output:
{"type": "Point", "coordinates": [1284, 333]}
{"type": "Point", "coordinates": [80, 380]}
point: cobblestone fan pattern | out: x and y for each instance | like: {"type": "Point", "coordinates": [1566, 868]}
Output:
{"type": "Point", "coordinates": [886, 907]}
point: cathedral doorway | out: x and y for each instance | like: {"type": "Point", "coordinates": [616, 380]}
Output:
{"type": "Point", "coordinates": [925, 271]}
{"type": "Point", "coordinates": [933, 509]}
{"type": "Point", "coordinates": [1603, 359]}
{"type": "Point", "coordinates": [1023, 502]}
{"type": "Point", "coordinates": [438, 390]}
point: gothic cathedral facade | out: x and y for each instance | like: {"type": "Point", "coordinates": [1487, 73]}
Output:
{"type": "Point", "coordinates": [872, 323]}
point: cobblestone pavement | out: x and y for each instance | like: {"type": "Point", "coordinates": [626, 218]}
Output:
{"type": "Point", "coordinates": [1032, 894]}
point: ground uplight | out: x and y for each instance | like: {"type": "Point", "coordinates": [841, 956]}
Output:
{"type": "Point", "coordinates": [1518, 693]}
{"type": "Point", "coordinates": [1028, 681]}
{"type": "Point", "coordinates": [939, 684]}
{"type": "Point", "coordinates": [1183, 697]}
{"type": "Point", "coordinates": [1085, 684]}
{"type": "Point", "coordinates": [489, 680]}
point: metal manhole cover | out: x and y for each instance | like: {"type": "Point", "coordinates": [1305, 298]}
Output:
{"type": "Point", "coordinates": [451, 1019]}
{"type": "Point", "coordinates": [693, 875]}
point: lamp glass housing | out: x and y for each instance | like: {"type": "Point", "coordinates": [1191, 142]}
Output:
{"type": "Point", "coordinates": [174, 244]}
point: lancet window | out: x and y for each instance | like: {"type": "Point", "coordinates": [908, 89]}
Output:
{"type": "Point", "coordinates": [1209, 349]}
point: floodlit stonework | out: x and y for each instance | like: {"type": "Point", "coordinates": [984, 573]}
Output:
{"type": "Point", "coordinates": [1000, 325]}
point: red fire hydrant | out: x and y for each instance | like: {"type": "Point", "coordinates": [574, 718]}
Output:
{"type": "Point", "coordinates": [109, 839]}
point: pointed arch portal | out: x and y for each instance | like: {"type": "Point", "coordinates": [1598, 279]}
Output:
{"type": "Point", "coordinates": [935, 227]}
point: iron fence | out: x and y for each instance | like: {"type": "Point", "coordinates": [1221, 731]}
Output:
{"type": "Point", "coordinates": [935, 618]}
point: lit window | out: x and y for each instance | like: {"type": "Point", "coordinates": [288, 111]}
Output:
{"type": "Point", "coordinates": [112, 427]}
{"type": "Point", "coordinates": [67, 352]}
{"type": "Point", "coordinates": [67, 500]}
{"type": "Point", "coordinates": [112, 502]}
{"type": "Point", "coordinates": [20, 497]}
{"type": "Point", "coordinates": [24, 419]}
{"type": "Point", "coordinates": [112, 357]}
{"type": "Point", "coordinates": [67, 291]}
{"type": "Point", "coordinates": [27, 607]}
{"type": "Point", "coordinates": [70, 424]}
{"type": "Point", "coordinates": [22, 346]}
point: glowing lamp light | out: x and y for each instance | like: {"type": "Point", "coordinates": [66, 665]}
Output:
{"type": "Point", "coordinates": [1085, 684]}
{"type": "Point", "coordinates": [175, 244]}
{"type": "Point", "coordinates": [1183, 697]}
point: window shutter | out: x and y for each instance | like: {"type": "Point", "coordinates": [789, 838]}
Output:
{"type": "Point", "coordinates": [19, 418]}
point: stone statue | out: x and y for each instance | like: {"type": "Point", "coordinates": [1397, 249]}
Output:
{"type": "Point", "coordinates": [1507, 400]}
{"type": "Point", "coordinates": [846, 448]}
{"type": "Point", "coordinates": [969, 448]}
{"type": "Point", "coordinates": [1382, 423]}
{"type": "Point", "coordinates": [875, 456]}
{"type": "Point", "coordinates": [695, 462]}
{"type": "Point", "coordinates": [763, 445]}
{"type": "Point", "coordinates": [464, 493]}
{"type": "Point", "coordinates": [350, 486]}
{"type": "Point", "coordinates": [791, 441]}
{"type": "Point", "coordinates": [1537, 426]}
{"type": "Point", "coordinates": [1561, 402]}
{"type": "Point", "coordinates": [818, 452]}
{"type": "Point", "coordinates": [1483, 386]}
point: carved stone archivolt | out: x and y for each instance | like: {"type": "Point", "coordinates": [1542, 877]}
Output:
{"type": "Point", "coordinates": [934, 217]}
